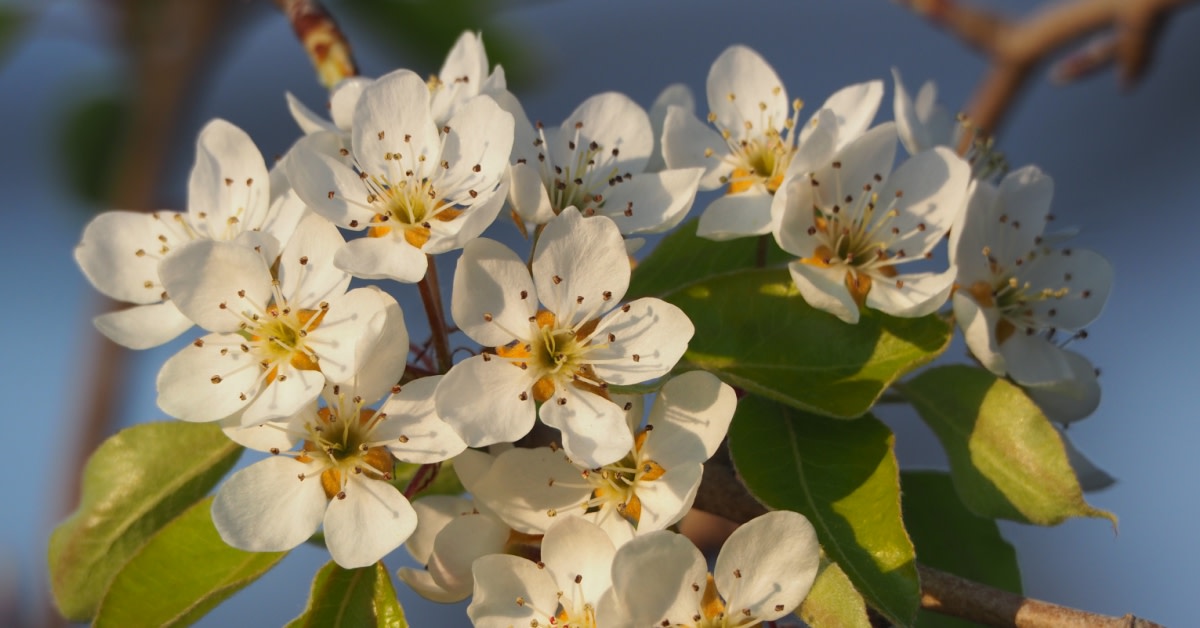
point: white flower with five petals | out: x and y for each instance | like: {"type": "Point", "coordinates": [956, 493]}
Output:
{"type": "Point", "coordinates": [416, 188]}
{"type": "Point", "coordinates": [853, 222]}
{"type": "Point", "coordinates": [563, 356]}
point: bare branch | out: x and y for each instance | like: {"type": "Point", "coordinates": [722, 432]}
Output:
{"type": "Point", "coordinates": [1016, 48]}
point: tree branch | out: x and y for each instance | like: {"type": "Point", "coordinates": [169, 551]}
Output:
{"type": "Point", "coordinates": [722, 493]}
{"type": "Point", "coordinates": [1017, 48]}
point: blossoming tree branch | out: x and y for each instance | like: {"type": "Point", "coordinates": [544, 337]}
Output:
{"type": "Point", "coordinates": [536, 452]}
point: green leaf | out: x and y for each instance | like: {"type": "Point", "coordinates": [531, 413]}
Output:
{"type": "Point", "coordinates": [352, 598]}
{"type": "Point", "coordinates": [134, 484]}
{"type": "Point", "coordinates": [181, 574]}
{"type": "Point", "coordinates": [755, 331]}
{"type": "Point", "coordinates": [682, 259]}
{"type": "Point", "coordinates": [842, 475]}
{"type": "Point", "coordinates": [951, 538]}
{"type": "Point", "coordinates": [1006, 459]}
{"type": "Point", "coordinates": [446, 482]}
{"type": "Point", "coordinates": [833, 601]}
{"type": "Point", "coordinates": [12, 22]}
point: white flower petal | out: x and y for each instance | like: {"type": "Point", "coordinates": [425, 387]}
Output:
{"type": "Point", "coordinates": [979, 330]}
{"type": "Point", "coordinates": [460, 544]}
{"type": "Point", "coordinates": [307, 275]}
{"type": "Point", "coordinates": [1033, 360]}
{"type": "Point", "coordinates": [868, 156]}
{"type": "Point", "coordinates": [454, 234]}
{"type": "Point", "coordinates": [652, 202]}
{"type": "Point", "coordinates": [580, 556]}
{"type": "Point", "coordinates": [527, 488]}
{"type": "Point", "coordinates": [653, 576]}
{"type": "Point", "coordinates": [645, 337]}
{"type": "Point", "coordinates": [736, 216]}
{"type": "Point", "coordinates": [308, 120]}
{"type": "Point", "coordinates": [667, 499]}
{"type": "Point", "coordinates": [909, 125]}
{"type": "Point", "coordinates": [528, 195]}
{"type": "Point", "coordinates": [854, 107]}
{"type": "Point", "coordinates": [204, 383]}
{"type": "Point", "coordinates": [350, 333]}
{"type": "Point", "coordinates": [511, 591]}
{"type": "Point", "coordinates": [1074, 399]}
{"type": "Point", "coordinates": [434, 512]}
{"type": "Point", "coordinates": [1022, 210]}
{"type": "Point", "coordinates": [580, 259]}
{"type": "Point", "coordinates": [689, 143]}
{"type": "Point", "coordinates": [690, 417]}
{"type": "Point", "coordinates": [934, 186]}
{"type": "Point", "coordinates": [1091, 477]}
{"type": "Point", "coordinates": [326, 184]}
{"type": "Point", "coordinates": [489, 282]}
{"type": "Point", "coordinates": [745, 93]}
{"type": "Point", "coordinates": [767, 564]}
{"type": "Point", "coordinates": [343, 99]}
{"type": "Point", "coordinates": [393, 116]}
{"type": "Point", "coordinates": [1085, 274]}
{"type": "Point", "coordinates": [292, 390]}
{"type": "Point", "coordinates": [217, 284]}
{"type": "Point", "coordinates": [973, 235]}
{"type": "Point", "coordinates": [825, 289]}
{"type": "Point", "coordinates": [229, 184]}
{"type": "Point", "coordinates": [272, 435]}
{"type": "Point", "coordinates": [486, 401]}
{"type": "Point", "coordinates": [911, 295]}
{"type": "Point", "coordinates": [476, 147]}
{"type": "Point", "coordinates": [818, 144]}
{"type": "Point", "coordinates": [792, 218]}
{"type": "Point", "coordinates": [422, 582]}
{"type": "Point", "coordinates": [593, 428]}
{"type": "Point", "coordinates": [411, 413]}
{"type": "Point", "coordinates": [120, 252]}
{"type": "Point", "coordinates": [388, 257]}
{"type": "Point", "coordinates": [266, 508]}
{"type": "Point", "coordinates": [143, 326]}
{"type": "Point", "coordinates": [615, 123]}
{"type": "Point", "coordinates": [675, 95]}
{"type": "Point", "coordinates": [372, 520]}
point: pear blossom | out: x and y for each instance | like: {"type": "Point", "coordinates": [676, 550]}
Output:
{"type": "Point", "coordinates": [417, 188]}
{"type": "Point", "coordinates": [463, 76]}
{"type": "Point", "coordinates": [563, 355]}
{"type": "Point", "coordinates": [274, 341]}
{"type": "Point", "coordinates": [673, 95]}
{"type": "Point", "coordinates": [1015, 293]}
{"type": "Point", "coordinates": [852, 224]}
{"type": "Point", "coordinates": [757, 137]}
{"type": "Point", "coordinates": [231, 197]}
{"type": "Point", "coordinates": [763, 572]}
{"type": "Point", "coordinates": [923, 123]}
{"type": "Point", "coordinates": [649, 489]}
{"type": "Point", "coordinates": [563, 588]}
{"type": "Point", "coordinates": [596, 161]}
{"type": "Point", "coordinates": [340, 476]}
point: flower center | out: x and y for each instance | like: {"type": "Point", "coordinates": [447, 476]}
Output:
{"type": "Point", "coordinates": [409, 205]}
{"type": "Point", "coordinates": [760, 160]}
{"type": "Point", "coordinates": [616, 484]}
{"type": "Point", "coordinates": [280, 338]}
{"type": "Point", "coordinates": [345, 447]}
{"type": "Point", "coordinates": [576, 181]}
{"type": "Point", "coordinates": [558, 356]}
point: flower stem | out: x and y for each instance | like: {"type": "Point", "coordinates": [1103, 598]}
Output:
{"type": "Point", "coordinates": [431, 295]}
{"type": "Point", "coordinates": [421, 480]}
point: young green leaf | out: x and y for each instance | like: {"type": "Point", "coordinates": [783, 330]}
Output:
{"type": "Point", "coordinates": [755, 331]}
{"type": "Point", "coordinates": [682, 259]}
{"type": "Point", "coordinates": [1006, 459]}
{"type": "Point", "coordinates": [183, 572]}
{"type": "Point", "coordinates": [950, 538]}
{"type": "Point", "coordinates": [349, 598]}
{"type": "Point", "coordinates": [842, 475]}
{"type": "Point", "coordinates": [833, 601]}
{"type": "Point", "coordinates": [133, 485]}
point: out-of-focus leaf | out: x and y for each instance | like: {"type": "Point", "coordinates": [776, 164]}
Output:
{"type": "Point", "coordinates": [352, 598]}
{"type": "Point", "coordinates": [1006, 459]}
{"type": "Point", "coordinates": [181, 574]}
{"type": "Point", "coordinates": [90, 144]}
{"type": "Point", "coordinates": [951, 538]}
{"type": "Point", "coordinates": [833, 601]}
{"type": "Point", "coordinates": [12, 21]}
{"type": "Point", "coordinates": [134, 484]}
{"type": "Point", "coordinates": [843, 476]}
{"type": "Point", "coordinates": [755, 331]}
{"type": "Point", "coordinates": [428, 28]}
{"type": "Point", "coordinates": [446, 482]}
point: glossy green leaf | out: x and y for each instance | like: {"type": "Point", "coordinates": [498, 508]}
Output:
{"type": "Point", "coordinates": [682, 258]}
{"type": "Point", "coordinates": [134, 484]}
{"type": "Point", "coordinates": [1006, 459]}
{"type": "Point", "coordinates": [181, 574]}
{"type": "Point", "coordinates": [833, 601]}
{"type": "Point", "coordinates": [91, 142]}
{"type": "Point", "coordinates": [350, 598]}
{"type": "Point", "coordinates": [842, 475]}
{"type": "Point", "coordinates": [755, 331]}
{"type": "Point", "coordinates": [949, 537]}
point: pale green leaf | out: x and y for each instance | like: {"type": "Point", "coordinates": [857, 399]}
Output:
{"type": "Point", "coordinates": [350, 598]}
{"type": "Point", "coordinates": [133, 484]}
{"type": "Point", "coordinates": [1006, 459]}
{"type": "Point", "coordinates": [181, 574]}
{"type": "Point", "coordinates": [842, 475]}
{"type": "Point", "coordinates": [833, 601]}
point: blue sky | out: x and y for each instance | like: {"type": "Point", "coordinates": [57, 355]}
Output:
{"type": "Point", "coordinates": [1125, 167]}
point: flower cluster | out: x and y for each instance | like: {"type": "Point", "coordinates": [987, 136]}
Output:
{"type": "Point", "coordinates": [572, 526]}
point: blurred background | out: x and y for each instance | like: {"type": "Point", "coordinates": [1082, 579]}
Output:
{"type": "Point", "coordinates": [100, 103]}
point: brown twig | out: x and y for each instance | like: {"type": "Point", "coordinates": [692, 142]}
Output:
{"type": "Point", "coordinates": [322, 39]}
{"type": "Point", "coordinates": [1017, 48]}
{"type": "Point", "coordinates": [722, 492]}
